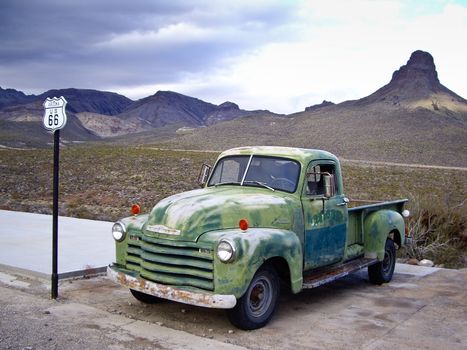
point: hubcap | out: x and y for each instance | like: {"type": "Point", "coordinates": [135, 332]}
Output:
{"type": "Point", "coordinates": [260, 297]}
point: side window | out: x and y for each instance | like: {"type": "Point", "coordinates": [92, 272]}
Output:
{"type": "Point", "coordinates": [315, 179]}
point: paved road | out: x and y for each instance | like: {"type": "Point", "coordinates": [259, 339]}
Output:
{"type": "Point", "coordinates": [422, 308]}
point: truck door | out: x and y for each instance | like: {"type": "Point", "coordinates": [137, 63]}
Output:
{"type": "Point", "coordinates": [325, 217]}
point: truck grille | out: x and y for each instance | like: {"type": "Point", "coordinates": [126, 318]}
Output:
{"type": "Point", "coordinates": [171, 262]}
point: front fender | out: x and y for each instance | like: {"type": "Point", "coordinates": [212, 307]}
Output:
{"type": "Point", "coordinates": [253, 248]}
{"type": "Point", "coordinates": [377, 227]}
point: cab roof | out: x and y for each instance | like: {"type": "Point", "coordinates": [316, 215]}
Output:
{"type": "Point", "coordinates": [302, 155]}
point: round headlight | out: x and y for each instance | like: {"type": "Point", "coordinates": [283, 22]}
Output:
{"type": "Point", "coordinates": [118, 231]}
{"type": "Point", "coordinates": [405, 213]}
{"type": "Point", "coordinates": [225, 251]}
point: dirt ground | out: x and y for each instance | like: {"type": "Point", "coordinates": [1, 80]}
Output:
{"type": "Point", "coordinates": [412, 312]}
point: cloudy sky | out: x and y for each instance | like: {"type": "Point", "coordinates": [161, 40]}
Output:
{"type": "Point", "coordinates": [262, 54]}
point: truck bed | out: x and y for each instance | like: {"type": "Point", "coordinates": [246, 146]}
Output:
{"type": "Point", "coordinates": [396, 205]}
{"type": "Point", "coordinates": [358, 214]}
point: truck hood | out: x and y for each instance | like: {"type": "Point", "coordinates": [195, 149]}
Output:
{"type": "Point", "coordinates": [188, 215]}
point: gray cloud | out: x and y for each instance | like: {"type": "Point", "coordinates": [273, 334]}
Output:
{"type": "Point", "coordinates": [94, 44]}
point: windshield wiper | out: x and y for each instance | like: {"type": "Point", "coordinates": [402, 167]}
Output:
{"type": "Point", "coordinates": [260, 183]}
{"type": "Point", "coordinates": [227, 183]}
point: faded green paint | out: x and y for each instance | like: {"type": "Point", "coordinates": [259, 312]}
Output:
{"type": "Point", "coordinates": [175, 244]}
{"type": "Point", "coordinates": [213, 208]}
{"type": "Point", "coordinates": [325, 220]}
{"type": "Point", "coordinates": [253, 248]}
{"type": "Point", "coordinates": [377, 227]}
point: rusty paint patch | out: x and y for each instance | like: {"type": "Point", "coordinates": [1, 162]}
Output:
{"type": "Point", "coordinates": [218, 301]}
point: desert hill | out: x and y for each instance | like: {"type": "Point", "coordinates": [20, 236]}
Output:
{"type": "Point", "coordinates": [416, 84]}
{"type": "Point", "coordinates": [98, 114]}
{"type": "Point", "coordinates": [413, 118]}
{"type": "Point", "coordinates": [168, 107]}
{"type": "Point", "coordinates": [10, 97]}
{"type": "Point", "coordinates": [21, 115]}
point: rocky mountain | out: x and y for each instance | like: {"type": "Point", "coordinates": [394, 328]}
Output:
{"type": "Point", "coordinates": [171, 108]}
{"type": "Point", "coordinates": [22, 115]}
{"type": "Point", "coordinates": [10, 97]}
{"type": "Point", "coordinates": [79, 100]}
{"type": "Point", "coordinates": [106, 114]}
{"type": "Point", "coordinates": [319, 106]}
{"type": "Point", "coordinates": [414, 118]}
{"type": "Point", "coordinates": [163, 112]}
{"type": "Point", "coordinates": [416, 84]}
{"type": "Point", "coordinates": [167, 107]}
{"type": "Point", "coordinates": [94, 101]}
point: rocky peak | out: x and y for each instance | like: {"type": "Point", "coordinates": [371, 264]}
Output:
{"type": "Point", "coordinates": [167, 93]}
{"type": "Point", "coordinates": [228, 105]}
{"type": "Point", "coordinates": [319, 106]}
{"type": "Point", "coordinates": [420, 67]}
{"type": "Point", "coordinates": [414, 84]}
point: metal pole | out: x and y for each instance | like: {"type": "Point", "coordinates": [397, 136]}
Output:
{"type": "Point", "coordinates": [55, 216]}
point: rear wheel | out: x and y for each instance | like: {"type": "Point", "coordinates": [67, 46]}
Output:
{"type": "Point", "coordinates": [144, 298]}
{"type": "Point", "coordinates": [256, 307]}
{"type": "Point", "coordinates": [382, 271]}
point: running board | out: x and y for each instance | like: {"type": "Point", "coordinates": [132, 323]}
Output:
{"type": "Point", "coordinates": [330, 274]}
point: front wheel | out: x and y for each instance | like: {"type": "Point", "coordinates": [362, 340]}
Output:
{"type": "Point", "coordinates": [382, 271]}
{"type": "Point", "coordinates": [256, 307]}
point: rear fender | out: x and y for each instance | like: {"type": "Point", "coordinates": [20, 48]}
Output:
{"type": "Point", "coordinates": [253, 247]}
{"type": "Point", "coordinates": [378, 226]}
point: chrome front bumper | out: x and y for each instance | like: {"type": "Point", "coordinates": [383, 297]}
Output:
{"type": "Point", "coordinates": [216, 301]}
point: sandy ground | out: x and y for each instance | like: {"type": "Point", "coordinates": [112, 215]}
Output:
{"type": "Point", "coordinates": [424, 311]}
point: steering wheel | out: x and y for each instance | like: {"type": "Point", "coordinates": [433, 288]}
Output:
{"type": "Point", "coordinates": [283, 183]}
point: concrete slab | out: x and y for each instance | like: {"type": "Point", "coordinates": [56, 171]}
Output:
{"type": "Point", "coordinates": [412, 312]}
{"type": "Point", "coordinates": [415, 270]}
{"type": "Point", "coordinates": [26, 243]}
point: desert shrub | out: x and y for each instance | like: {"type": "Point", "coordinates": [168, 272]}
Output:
{"type": "Point", "coordinates": [438, 230]}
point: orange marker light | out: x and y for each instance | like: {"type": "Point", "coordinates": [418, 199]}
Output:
{"type": "Point", "coordinates": [243, 224]}
{"type": "Point", "coordinates": [135, 209]}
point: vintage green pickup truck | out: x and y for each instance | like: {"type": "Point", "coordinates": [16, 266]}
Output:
{"type": "Point", "coordinates": [265, 218]}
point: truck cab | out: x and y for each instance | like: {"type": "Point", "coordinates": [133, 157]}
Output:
{"type": "Point", "coordinates": [264, 215]}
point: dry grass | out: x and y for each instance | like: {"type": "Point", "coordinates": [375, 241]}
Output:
{"type": "Point", "coordinates": [439, 233]}
{"type": "Point", "coordinates": [96, 182]}
{"type": "Point", "coordinates": [101, 182]}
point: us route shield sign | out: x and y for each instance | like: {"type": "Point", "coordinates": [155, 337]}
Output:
{"type": "Point", "coordinates": [54, 114]}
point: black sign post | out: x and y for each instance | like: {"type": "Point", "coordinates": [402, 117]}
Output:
{"type": "Point", "coordinates": [54, 120]}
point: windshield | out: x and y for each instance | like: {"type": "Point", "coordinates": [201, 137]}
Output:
{"type": "Point", "coordinates": [269, 172]}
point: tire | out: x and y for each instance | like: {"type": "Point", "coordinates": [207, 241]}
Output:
{"type": "Point", "coordinates": [256, 307]}
{"type": "Point", "coordinates": [382, 271]}
{"type": "Point", "coordinates": [144, 298]}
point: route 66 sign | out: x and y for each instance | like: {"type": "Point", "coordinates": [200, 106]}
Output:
{"type": "Point", "coordinates": [54, 114]}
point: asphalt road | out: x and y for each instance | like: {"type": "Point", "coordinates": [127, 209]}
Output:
{"type": "Point", "coordinates": [422, 308]}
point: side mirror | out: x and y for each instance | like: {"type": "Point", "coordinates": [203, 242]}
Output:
{"type": "Point", "coordinates": [329, 188]}
{"type": "Point", "coordinates": [204, 175]}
